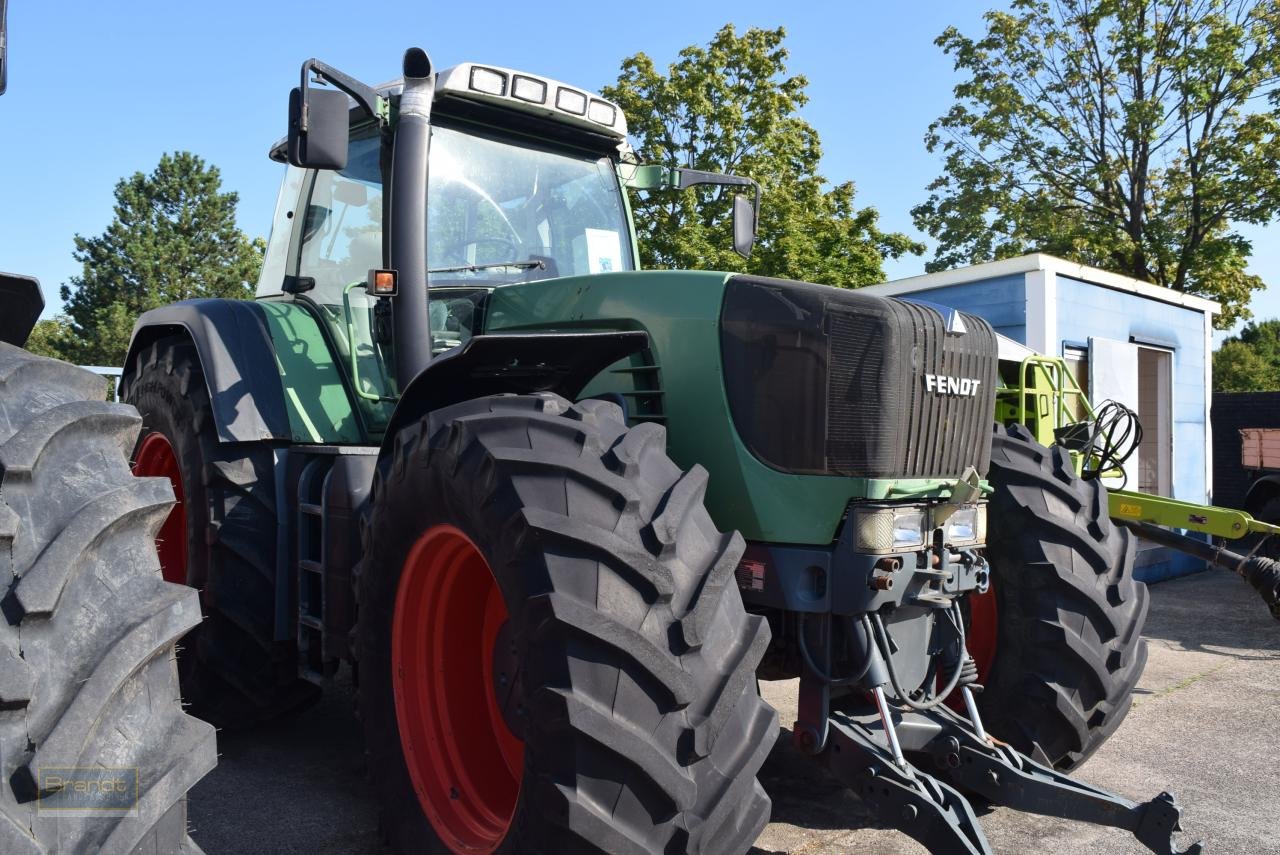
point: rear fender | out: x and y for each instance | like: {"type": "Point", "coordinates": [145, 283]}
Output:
{"type": "Point", "coordinates": [238, 360]}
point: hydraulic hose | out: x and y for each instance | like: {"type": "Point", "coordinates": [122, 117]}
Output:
{"type": "Point", "coordinates": [882, 642]}
{"type": "Point", "coordinates": [1262, 573]}
{"type": "Point", "coordinates": [823, 675]}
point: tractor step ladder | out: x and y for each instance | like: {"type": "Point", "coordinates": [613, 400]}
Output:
{"type": "Point", "coordinates": [310, 563]}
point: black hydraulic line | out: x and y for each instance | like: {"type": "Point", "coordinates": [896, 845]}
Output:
{"type": "Point", "coordinates": [882, 641]}
{"type": "Point", "coordinates": [820, 673]}
{"type": "Point", "coordinates": [1262, 573]}
{"type": "Point", "coordinates": [1115, 436]}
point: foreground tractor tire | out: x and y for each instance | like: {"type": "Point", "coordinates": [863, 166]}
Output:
{"type": "Point", "coordinates": [1066, 613]}
{"type": "Point", "coordinates": [221, 540]}
{"type": "Point", "coordinates": [87, 673]}
{"type": "Point", "coordinates": [553, 655]}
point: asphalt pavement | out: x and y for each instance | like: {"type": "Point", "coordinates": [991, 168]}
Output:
{"type": "Point", "coordinates": [1204, 725]}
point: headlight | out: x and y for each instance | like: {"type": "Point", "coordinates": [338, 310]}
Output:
{"type": "Point", "coordinates": [488, 81]}
{"type": "Point", "coordinates": [889, 528]}
{"type": "Point", "coordinates": [967, 525]}
{"type": "Point", "coordinates": [881, 529]}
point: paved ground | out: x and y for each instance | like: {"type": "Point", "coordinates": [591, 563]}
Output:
{"type": "Point", "coordinates": [1205, 724]}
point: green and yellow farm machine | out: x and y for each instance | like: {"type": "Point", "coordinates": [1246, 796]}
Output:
{"type": "Point", "coordinates": [461, 444]}
{"type": "Point", "coordinates": [1041, 394]}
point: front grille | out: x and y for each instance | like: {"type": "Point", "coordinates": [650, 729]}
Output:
{"type": "Point", "coordinates": [947, 433]}
{"type": "Point", "coordinates": [827, 381]}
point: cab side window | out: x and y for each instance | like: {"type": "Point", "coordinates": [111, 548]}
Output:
{"type": "Point", "coordinates": [342, 222]}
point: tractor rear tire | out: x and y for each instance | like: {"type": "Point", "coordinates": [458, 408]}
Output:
{"type": "Point", "coordinates": [87, 673]}
{"type": "Point", "coordinates": [553, 655]}
{"type": "Point", "coordinates": [1069, 648]}
{"type": "Point", "coordinates": [234, 673]}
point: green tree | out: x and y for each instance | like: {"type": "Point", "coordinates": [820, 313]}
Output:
{"type": "Point", "coordinates": [1249, 362]}
{"type": "Point", "coordinates": [732, 107]}
{"type": "Point", "coordinates": [174, 237]}
{"type": "Point", "coordinates": [48, 336]}
{"type": "Point", "coordinates": [1133, 135]}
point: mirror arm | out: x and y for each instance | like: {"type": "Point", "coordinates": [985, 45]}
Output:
{"type": "Point", "coordinates": [686, 178]}
{"type": "Point", "coordinates": [365, 96]}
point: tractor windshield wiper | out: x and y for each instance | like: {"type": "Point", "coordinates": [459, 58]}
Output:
{"type": "Point", "coordinates": [472, 268]}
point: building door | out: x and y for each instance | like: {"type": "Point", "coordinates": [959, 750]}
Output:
{"type": "Point", "coordinates": [1113, 376]}
{"type": "Point", "coordinates": [1155, 411]}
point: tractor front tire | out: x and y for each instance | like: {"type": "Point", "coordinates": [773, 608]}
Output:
{"type": "Point", "coordinates": [1068, 612]}
{"type": "Point", "coordinates": [553, 654]}
{"type": "Point", "coordinates": [88, 684]}
{"type": "Point", "coordinates": [221, 541]}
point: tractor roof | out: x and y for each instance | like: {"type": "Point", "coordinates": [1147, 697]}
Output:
{"type": "Point", "coordinates": [521, 91]}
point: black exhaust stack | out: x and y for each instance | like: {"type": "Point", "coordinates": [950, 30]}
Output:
{"type": "Point", "coordinates": [408, 228]}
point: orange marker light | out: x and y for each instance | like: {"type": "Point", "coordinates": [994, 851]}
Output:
{"type": "Point", "coordinates": [382, 283]}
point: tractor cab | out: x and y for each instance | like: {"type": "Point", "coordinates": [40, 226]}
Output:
{"type": "Point", "coordinates": [525, 181]}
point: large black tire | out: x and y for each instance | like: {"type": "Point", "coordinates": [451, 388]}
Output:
{"type": "Point", "coordinates": [234, 672]}
{"type": "Point", "coordinates": [87, 672]}
{"type": "Point", "coordinates": [1069, 648]}
{"type": "Point", "coordinates": [644, 731]}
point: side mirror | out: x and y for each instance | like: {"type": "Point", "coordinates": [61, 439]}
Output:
{"type": "Point", "coordinates": [318, 128]}
{"type": "Point", "coordinates": [744, 225]}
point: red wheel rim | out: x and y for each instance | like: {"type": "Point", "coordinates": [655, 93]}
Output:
{"type": "Point", "coordinates": [464, 762]}
{"type": "Point", "coordinates": [156, 458]}
{"type": "Point", "coordinates": [983, 627]}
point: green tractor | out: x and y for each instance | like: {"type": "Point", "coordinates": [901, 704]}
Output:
{"type": "Point", "coordinates": [97, 751]}
{"type": "Point", "coordinates": [463, 444]}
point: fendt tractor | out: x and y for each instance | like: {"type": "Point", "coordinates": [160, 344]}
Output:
{"type": "Point", "coordinates": [462, 443]}
{"type": "Point", "coordinates": [96, 749]}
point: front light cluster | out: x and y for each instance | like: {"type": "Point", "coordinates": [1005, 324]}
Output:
{"type": "Point", "coordinates": [894, 528]}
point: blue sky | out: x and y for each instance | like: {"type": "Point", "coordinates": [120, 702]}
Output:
{"type": "Point", "coordinates": [100, 90]}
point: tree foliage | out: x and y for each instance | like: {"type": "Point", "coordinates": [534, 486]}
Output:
{"type": "Point", "coordinates": [47, 337]}
{"type": "Point", "coordinates": [1133, 135]}
{"type": "Point", "coordinates": [1249, 362]}
{"type": "Point", "coordinates": [173, 237]}
{"type": "Point", "coordinates": [732, 107]}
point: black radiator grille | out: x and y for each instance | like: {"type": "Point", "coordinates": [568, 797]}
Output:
{"type": "Point", "coordinates": [827, 381]}
{"type": "Point", "coordinates": [946, 433]}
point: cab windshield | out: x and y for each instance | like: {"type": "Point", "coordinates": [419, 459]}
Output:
{"type": "Point", "coordinates": [498, 213]}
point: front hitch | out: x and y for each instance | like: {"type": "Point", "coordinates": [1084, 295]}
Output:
{"type": "Point", "coordinates": [861, 752]}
